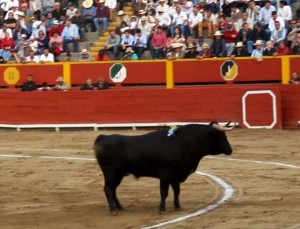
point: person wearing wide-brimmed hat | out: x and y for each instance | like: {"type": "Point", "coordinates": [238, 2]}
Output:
{"type": "Point", "coordinates": [218, 45]}
{"type": "Point", "coordinates": [130, 55]}
{"type": "Point", "coordinates": [122, 16]}
{"type": "Point", "coordinates": [138, 7]}
{"type": "Point", "coordinates": [89, 13]}
{"type": "Point", "coordinates": [102, 17]}
{"type": "Point", "coordinates": [239, 50]}
{"type": "Point", "coordinates": [191, 51]}
{"type": "Point", "coordinates": [37, 27]}
{"type": "Point", "coordinates": [258, 51]}
{"type": "Point", "coordinates": [85, 56]}
{"type": "Point", "coordinates": [177, 52]}
{"type": "Point", "coordinates": [60, 84]}
{"type": "Point", "coordinates": [205, 52]}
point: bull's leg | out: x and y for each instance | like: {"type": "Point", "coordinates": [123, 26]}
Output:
{"type": "Point", "coordinates": [164, 190]}
{"type": "Point", "coordinates": [109, 190]}
{"type": "Point", "coordinates": [176, 190]}
{"type": "Point", "coordinates": [118, 180]}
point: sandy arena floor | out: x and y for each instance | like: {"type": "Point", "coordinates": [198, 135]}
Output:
{"type": "Point", "coordinates": [53, 193]}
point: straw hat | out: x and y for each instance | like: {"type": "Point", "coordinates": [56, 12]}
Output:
{"type": "Point", "coordinates": [190, 46]}
{"type": "Point", "coordinates": [258, 42]}
{"type": "Point", "coordinates": [20, 13]}
{"type": "Point", "coordinates": [23, 35]}
{"type": "Point", "coordinates": [204, 46]}
{"type": "Point", "coordinates": [87, 3]}
{"type": "Point", "coordinates": [160, 9]}
{"type": "Point", "coordinates": [36, 24]}
{"type": "Point", "coordinates": [218, 33]}
{"type": "Point", "coordinates": [177, 45]}
{"type": "Point", "coordinates": [55, 22]}
{"type": "Point", "coordinates": [60, 79]}
{"type": "Point", "coordinates": [120, 13]}
{"type": "Point", "coordinates": [143, 18]}
{"type": "Point", "coordinates": [14, 5]}
{"type": "Point", "coordinates": [141, 12]}
{"type": "Point", "coordinates": [101, 1]}
{"type": "Point", "coordinates": [84, 51]}
{"type": "Point", "coordinates": [129, 49]}
{"type": "Point", "coordinates": [239, 45]}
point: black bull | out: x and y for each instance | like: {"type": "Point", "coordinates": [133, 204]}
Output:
{"type": "Point", "coordinates": [171, 159]}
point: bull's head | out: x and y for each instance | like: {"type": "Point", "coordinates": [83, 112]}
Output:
{"type": "Point", "coordinates": [221, 144]}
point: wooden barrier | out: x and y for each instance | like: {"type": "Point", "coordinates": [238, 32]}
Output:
{"type": "Point", "coordinates": [197, 104]}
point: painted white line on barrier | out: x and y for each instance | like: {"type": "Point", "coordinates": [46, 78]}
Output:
{"type": "Point", "coordinates": [228, 193]}
{"type": "Point", "coordinates": [69, 158]}
{"type": "Point", "coordinates": [258, 162]}
{"type": "Point", "coordinates": [14, 156]}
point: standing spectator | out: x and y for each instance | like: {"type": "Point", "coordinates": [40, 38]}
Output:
{"type": "Point", "coordinates": [70, 34]}
{"type": "Point", "coordinates": [101, 84]}
{"type": "Point", "coordinates": [230, 37]}
{"type": "Point", "coordinates": [194, 19]}
{"type": "Point", "coordinates": [89, 14]}
{"type": "Point", "coordinates": [46, 57]}
{"type": "Point", "coordinates": [60, 85]}
{"type": "Point", "coordinates": [218, 45]}
{"type": "Point", "coordinates": [102, 16]}
{"type": "Point", "coordinates": [85, 56]}
{"type": "Point", "coordinates": [295, 78]}
{"type": "Point", "coordinates": [158, 43]}
{"type": "Point", "coordinates": [112, 5]}
{"type": "Point", "coordinates": [29, 85]}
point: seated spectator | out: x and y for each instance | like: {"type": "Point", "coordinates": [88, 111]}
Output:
{"type": "Point", "coordinates": [57, 12]}
{"type": "Point", "coordinates": [88, 85]}
{"type": "Point", "coordinates": [269, 50]}
{"type": "Point", "coordinates": [192, 52]}
{"type": "Point", "coordinates": [7, 41]}
{"type": "Point", "coordinates": [102, 55]}
{"type": "Point", "coordinates": [140, 43]}
{"type": "Point", "coordinates": [245, 36]}
{"type": "Point", "coordinates": [230, 37]}
{"type": "Point", "coordinates": [163, 18]}
{"type": "Point", "coordinates": [10, 22]}
{"type": "Point", "coordinates": [2, 61]}
{"type": "Point", "coordinates": [56, 45]}
{"type": "Point", "coordinates": [85, 56]}
{"type": "Point", "coordinates": [43, 42]}
{"type": "Point", "coordinates": [120, 29]}
{"type": "Point", "coordinates": [282, 49]}
{"type": "Point", "coordinates": [33, 44]}
{"type": "Point", "coordinates": [177, 52]}
{"type": "Point", "coordinates": [144, 26]}
{"type": "Point", "coordinates": [158, 43]}
{"type": "Point", "coordinates": [244, 19]}
{"type": "Point", "coordinates": [29, 85]}
{"type": "Point", "coordinates": [32, 58]}
{"type": "Point", "coordinates": [295, 44]}
{"type": "Point", "coordinates": [89, 14]}
{"type": "Point", "coordinates": [179, 20]}
{"type": "Point", "coordinates": [37, 28]}
{"type": "Point", "coordinates": [78, 20]}
{"type": "Point", "coordinates": [130, 55]}
{"type": "Point", "coordinates": [113, 42]}
{"type": "Point", "coordinates": [46, 57]}
{"type": "Point", "coordinates": [57, 27]}
{"type": "Point", "coordinates": [133, 23]}
{"type": "Point", "coordinates": [121, 16]}
{"type": "Point", "coordinates": [71, 11]}
{"type": "Point", "coordinates": [60, 85]}
{"type": "Point", "coordinates": [193, 21]}
{"type": "Point", "coordinates": [295, 78]}
{"type": "Point", "coordinates": [205, 52]}
{"type": "Point", "coordinates": [209, 22]}
{"type": "Point", "coordinates": [4, 30]}
{"type": "Point", "coordinates": [222, 24]}
{"type": "Point", "coordinates": [101, 84]}
{"type": "Point", "coordinates": [278, 34]}
{"type": "Point", "coordinates": [239, 50]}
{"type": "Point", "coordinates": [44, 87]}
{"type": "Point", "coordinates": [178, 37]}
{"type": "Point", "coordinates": [218, 46]}
{"type": "Point", "coordinates": [68, 57]}
{"type": "Point", "coordinates": [70, 34]}
{"type": "Point", "coordinates": [258, 51]}
{"type": "Point", "coordinates": [112, 5]}
{"type": "Point", "coordinates": [102, 17]}
{"type": "Point", "coordinates": [48, 21]}
{"type": "Point", "coordinates": [126, 41]}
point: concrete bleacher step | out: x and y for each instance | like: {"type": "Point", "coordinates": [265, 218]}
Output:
{"type": "Point", "coordinates": [92, 36]}
{"type": "Point", "coordinates": [99, 43]}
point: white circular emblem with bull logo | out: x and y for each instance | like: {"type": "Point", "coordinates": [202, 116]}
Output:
{"type": "Point", "coordinates": [118, 73]}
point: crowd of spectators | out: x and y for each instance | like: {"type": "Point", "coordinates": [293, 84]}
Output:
{"type": "Point", "coordinates": [39, 31]}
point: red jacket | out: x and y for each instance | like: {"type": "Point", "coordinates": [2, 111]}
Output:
{"type": "Point", "coordinates": [7, 42]}
{"type": "Point", "coordinates": [230, 36]}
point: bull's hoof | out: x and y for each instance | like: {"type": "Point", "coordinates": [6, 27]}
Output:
{"type": "Point", "coordinates": [162, 211]}
{"type": "Point", "coordinates": [178, 208]}
{"type": "Point", "coordinates": [114, 213]}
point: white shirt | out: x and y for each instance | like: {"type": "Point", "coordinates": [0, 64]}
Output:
{"type": "Point", "coordinates": [49, 58]}
{"type": "Point", "coordinates": [285, 12]}
{"type": "Point", "coordinates": [187, 8]}
{"type": "Point", "coordinates": [2, 33]}
{"type": "Point", "coordinates": [35, 59]}
{"type": "Point", "coordinates": [195, 19]}
{"type": "Point", "coordinates": [164, 19]}
{"type": "Point", "coordinates": [16, 15]}
{"type": "Point", "coordinates": [272, 23]}
{"type": "Point", "coordinates": [111, 4]}
{"type": "Point", "coordinates": [71, 13]}
{"type": "Point", "coordinates": [266, 14]}
{"type": "Point", "coordinates": [180, 19]}
{"type": "Point", "coordinates": [6, 4]}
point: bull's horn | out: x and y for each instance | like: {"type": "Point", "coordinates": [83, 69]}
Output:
{"type": "Point", "coordinates": [223, 128]}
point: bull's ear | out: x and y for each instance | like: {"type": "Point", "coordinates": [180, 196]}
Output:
{"type": "Point", "coordinates": [228, 124]}
{"type": "Point", "coordinates": [223, 128]}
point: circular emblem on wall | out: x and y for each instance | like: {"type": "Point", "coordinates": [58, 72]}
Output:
{"type": "Point", "coordinates": [229, 70]}
{"type": "Point", "coordinates": [11, 75]}
{"type": "Point", "coordinates": [118, 73]}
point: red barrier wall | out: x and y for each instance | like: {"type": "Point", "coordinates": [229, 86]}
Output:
{"type": "Point", "coordinates": [291, 105]}
{"type": "Point", "coordinates": [201, 104]}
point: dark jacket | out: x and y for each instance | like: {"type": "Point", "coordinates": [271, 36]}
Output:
{"type": "Point", "coordinates": [101, 86]}
{"type": "Point", "coordinates": [28, 86]}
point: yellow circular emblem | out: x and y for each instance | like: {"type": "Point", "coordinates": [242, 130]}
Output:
{"type": "Point", "coordinates": [11, 75]}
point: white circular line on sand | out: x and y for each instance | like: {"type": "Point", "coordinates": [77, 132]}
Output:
{"type": "Point", "coordinates": [228, 190]}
